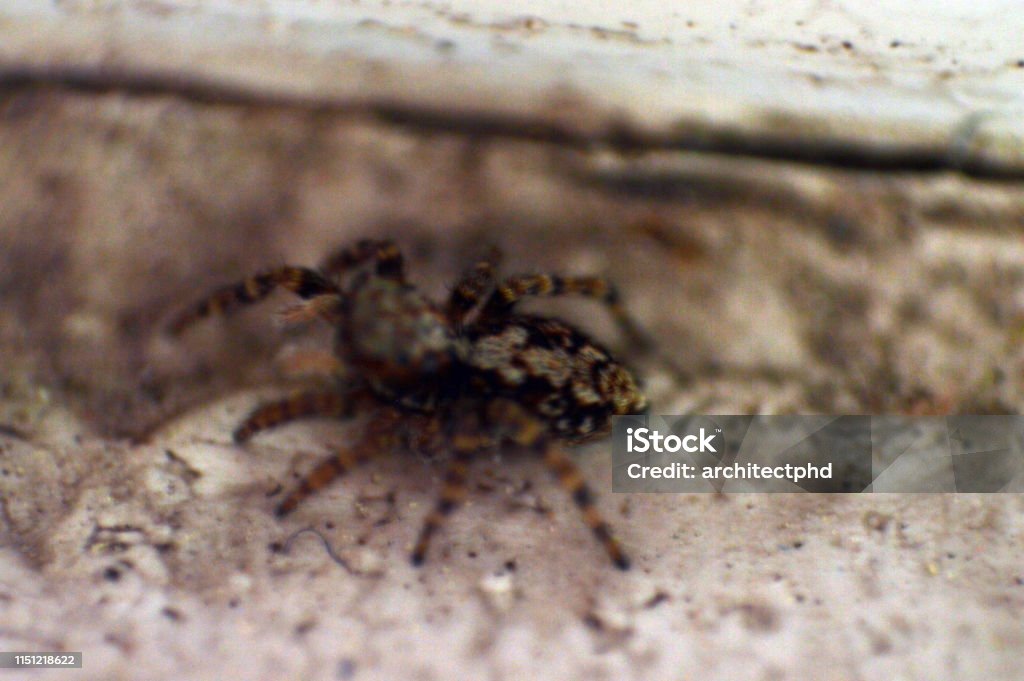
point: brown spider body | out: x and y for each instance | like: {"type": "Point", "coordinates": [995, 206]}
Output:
{"type": "Point", "coordinates": [442, 380]}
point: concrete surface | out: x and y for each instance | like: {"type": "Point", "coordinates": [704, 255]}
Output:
{"type": "Point", "coordinates": [135, 531]}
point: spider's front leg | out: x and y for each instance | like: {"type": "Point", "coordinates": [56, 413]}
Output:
{"type": "Point", "coordinates": [512, 290]}
{"type": "Point", "coordinates": [302, 281]}
{"type": "Point", "coordinates": [471, 287]}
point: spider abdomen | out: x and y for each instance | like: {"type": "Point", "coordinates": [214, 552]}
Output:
{"type": "Point", "coordinates": [562, 376]}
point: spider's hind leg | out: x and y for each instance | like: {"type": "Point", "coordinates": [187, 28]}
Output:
{"type": "Point", "coordinates": [302, 281]}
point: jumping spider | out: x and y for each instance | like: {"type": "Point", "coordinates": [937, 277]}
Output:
{"type": "Point", "coordinates": [443, 379]}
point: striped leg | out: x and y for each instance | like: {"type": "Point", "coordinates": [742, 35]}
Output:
{"type": "Point", "coordinates": [304, 282]}
{"type": "Point", "coordinates": [326, 472]}
{"type": "Point", "coordinates": [469, 290]}
{"type": "Point", "coordinates": [379, 438]}
{"type": "Point", "coordinates": [529, 431]}
{"type": "Point", "coordinates": [572, 481]}
{"type": "Point", "coordinates": [303, 405]}
{"type": "Point", "coordinates": [514, 289]}
{"type": "Point", "coordinates": [383, 252]}
{"type": "Point", "coordinates": [453, 492]}
{"type": "Point", "coordinates": [327, 307]}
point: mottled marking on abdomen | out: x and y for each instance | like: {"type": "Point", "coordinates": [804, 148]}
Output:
{"type": "Point", "coordinates": [559, 374]}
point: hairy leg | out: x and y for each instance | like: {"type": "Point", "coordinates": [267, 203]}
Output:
{"type": "Point", "coordinates": [512, 290]}
{"type": "Point", "coordinates": [453, 492]}
{"type": "Point", "coordinates": [528, 431]}
{"type": "Point", "coordinates": [571, 480]}
{"type": "Point", "coordinates": [327, 307]}
{"type": "Point", "coordinates": [302, 281]}
{"type": "Point", "coordinates": [303, 405]}
{"type": "Point", "coordinates": [471, 287]}
{"type": "Point", "coordinates": [326, 472]}
{"type": "Point", "coordinates": [378, 439]}
{"type": "Point", "coordinates": [388, 259]}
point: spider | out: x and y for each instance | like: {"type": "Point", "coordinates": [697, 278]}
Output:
{"type": "Point", "coordinates": [461, 378]}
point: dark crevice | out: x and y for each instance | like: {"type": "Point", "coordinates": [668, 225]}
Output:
{"type": "Point", "coordinates": [828, 152]}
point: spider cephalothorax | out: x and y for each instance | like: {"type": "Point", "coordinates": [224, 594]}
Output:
{"type": "Point", "coordinates": [467, 377]}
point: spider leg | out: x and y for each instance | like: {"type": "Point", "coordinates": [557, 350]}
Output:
{"type": "Point", "coordinates": [384, 252]}
{"type": "Point", "coordinates": [453, 492]}
{"type": "Point", "coordinates": [293, 408]}
{"type": "Point", "coordinates": [571, 480]}
{"type": "Point", "coordinates": [379, 438]}
{"type": "Point", "coordinates": [326, 472]}
{"type": "Point", "coordinates": [327, 307]}
{"type": "Point", "coordinates": [528, 431]}
{"type": "Point", "coordinates": [512, 290]}
{"type": "Point", "coordinates": [302, 281]}
{"type": "Point", "coordinates": [470, 289]}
